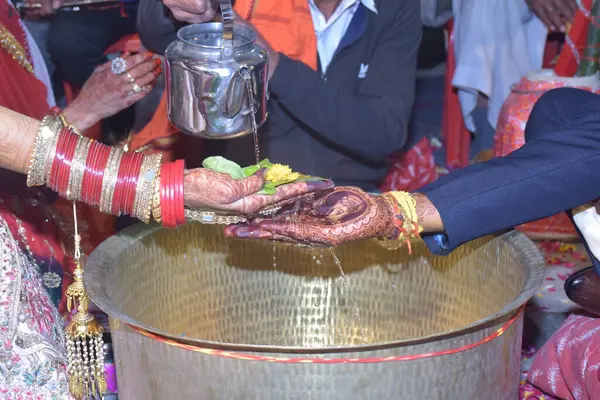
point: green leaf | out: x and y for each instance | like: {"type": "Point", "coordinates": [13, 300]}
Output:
{"type": "Point", "coordinates": [265, 163]}
{"type": "Point", "coordinates": [251, 170]}
{"type": "Point", "coordinates": [308, 178]}
{"type": "Point", "coordinates": [225, 166]}
{"type": "Point", "coordinates": [269, 188]}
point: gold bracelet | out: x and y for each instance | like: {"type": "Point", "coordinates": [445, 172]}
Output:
{"type": "Point", "coordinates": [66, 123]}
{"type": "Point", "coordinates": [156, 210]}
{"type": "Point", "coordinates": [45, 142]}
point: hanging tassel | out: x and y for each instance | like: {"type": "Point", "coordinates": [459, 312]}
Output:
{"type": "Point", "coordinates": [85, 346]}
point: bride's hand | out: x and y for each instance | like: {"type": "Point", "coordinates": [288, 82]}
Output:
{"type": "Point", "coordinates": [326, 218]}
{"type": "Point", "coordinates": [210, 190]}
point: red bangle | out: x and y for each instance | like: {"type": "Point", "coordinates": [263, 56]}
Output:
{"type": "Point", "coordinates": [178, 171]}
{"type": "Point", "coordinates": [94, 173]}
{"type": "Point", "coordinates": [125, 179]}
{"type": "Point", "coordinates": [55, 161]}
{"type": "Point", "coordinates": [171, 191]}
{"type": "Point", "coordinates": [132, 182]}
{"type": "Point", "coordinates": [124, 168]}
{"type": "Point", "coordinates": [168, 219]}
{"type": "Point", "coordinates": [61, 165]}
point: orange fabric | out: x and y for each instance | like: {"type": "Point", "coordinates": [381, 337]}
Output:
{"type": "Point", "coordinates": [566, 64]}
{"type": "Point", "coordinates": [286, 25]}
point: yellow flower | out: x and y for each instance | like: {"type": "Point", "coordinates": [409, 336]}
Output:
{"type": "Point", "coordinates": [281, 173]}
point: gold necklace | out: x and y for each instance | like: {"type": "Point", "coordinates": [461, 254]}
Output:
{"type": "Point", "coordinates": [9, 43]}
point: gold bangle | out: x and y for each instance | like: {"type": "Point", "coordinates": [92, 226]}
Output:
{"type": "Point", "coordinates": [156, 210]}
{"type": "Point", "coordinates": [144, 193]}
{"type": "Point", "coordinates": [109, 181]}
{"type": "Point", "coordinates": [45, 141]}
{"type": "Point", "coordinates": [147, 210]}
{"type": "Point", "coordinates": [78, 168]}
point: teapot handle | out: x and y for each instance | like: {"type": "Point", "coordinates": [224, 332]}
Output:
{"type": "Point", "coordinates": [227, 15]}
{"type": "Point", "coordinates": [239, 92]}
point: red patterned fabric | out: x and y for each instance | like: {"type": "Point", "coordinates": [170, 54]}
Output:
{"type": "Point", "coordinates": [510, 136]}
{"type": "Point", "coordinates": [412, 169]}
{"type": "Point", "coordinates": [568, 365]}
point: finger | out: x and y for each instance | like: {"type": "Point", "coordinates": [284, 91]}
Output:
{"type": "Point", "coordinates": [543, 14]}
{"type": "Point", "coordinates": [193, 18]}
{"type": "Point", "coordinates": [254, 232]}
{"type": "Point", "coordinates": [296, 189]}
{"type": "Point", "coordinates": [133, 97]}
{"type": "Point", "coordinates": [133, 61]}
{"type": "Point", "coordinates": [250, 185]}
{"type": "Point", "coordinates": [246, 231]}
{"type": "Point", "coordinates": [253, 203]}
{"type": "Point", "coordinates": [142, 69]}
{"type": "Point", "coordinates": [554, 15]}
{"type": "Point", "coordinates": [573, 7]}
{"type": "Point", "coordinates": [563, 12]}
{"type": "Point", "coordinates": [147, 79]}
{"type": "Point", "coordinates": [291, 229]}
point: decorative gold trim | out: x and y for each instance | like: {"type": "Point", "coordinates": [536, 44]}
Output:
{"type": "Point", "coordinates": [9, 43]}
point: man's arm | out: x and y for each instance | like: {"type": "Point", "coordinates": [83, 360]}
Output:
{"type": "Point", "coordinates": [372, 122]}
{"type": "Point", "coordinates": [557, 170]}
{"type": "Point", "coordinates": [156, 29]}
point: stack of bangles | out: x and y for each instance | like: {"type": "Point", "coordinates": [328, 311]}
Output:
{"type": "Point", "coordinates": [79, 168]}
{"type": "Point", "coordinates": [406, 220]}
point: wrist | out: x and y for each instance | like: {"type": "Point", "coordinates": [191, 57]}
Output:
{"type": "Point", "coordinates": [78, 118]}
{"type": "Point", "coordinates": [389, 231]}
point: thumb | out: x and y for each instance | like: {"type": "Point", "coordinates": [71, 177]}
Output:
{"type": "Point", "coordinates": [252, 184]}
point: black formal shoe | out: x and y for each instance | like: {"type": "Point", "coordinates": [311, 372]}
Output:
{"type": "Point", "coordinates": [583, 288]}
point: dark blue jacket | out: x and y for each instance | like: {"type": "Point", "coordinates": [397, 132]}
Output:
{"type": "Point", "coordinates": [337, 126]}
{"type": "Point", "coordinates": [557, 170]}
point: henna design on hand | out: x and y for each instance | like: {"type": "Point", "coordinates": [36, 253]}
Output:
{"type": "Point", "coordinates": [207, 189]}
{"type": "Point", "coordinates": [326, 218]}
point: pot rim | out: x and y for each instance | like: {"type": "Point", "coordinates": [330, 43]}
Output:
{"type": "Point", "coordinates": [106, 253]}
{"type": "Point", "coordinates": [242, 31]}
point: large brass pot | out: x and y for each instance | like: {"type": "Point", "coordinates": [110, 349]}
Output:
{"type": "Point", "coordinates": [198, 316]}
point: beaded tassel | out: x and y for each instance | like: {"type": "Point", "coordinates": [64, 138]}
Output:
{"type": "Point", "coordinates": [84, 336]}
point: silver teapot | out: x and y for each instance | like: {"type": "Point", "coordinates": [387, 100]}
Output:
{"type": "Point", "coordinates": [217, 79]}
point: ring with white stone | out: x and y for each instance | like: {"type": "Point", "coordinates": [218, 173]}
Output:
{"type": "Point", "coordinates": [135, 89]}
{"type": "Point", "coordinates": [118, 65]}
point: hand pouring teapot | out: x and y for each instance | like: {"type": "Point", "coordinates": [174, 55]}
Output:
{"type": "Point", "coordinates": [217, 79]}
